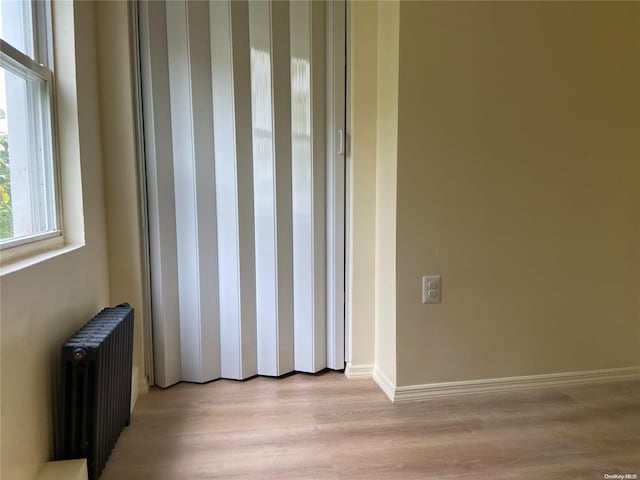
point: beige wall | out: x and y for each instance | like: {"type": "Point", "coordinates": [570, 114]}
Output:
{"type": "Point", "coordinates": [386, 167]}
{"type": "Point", "coordinates": [362, 177]}
{"type": "Point", "coordinates": [518, 182]}
{"type": "Point", "coordinates": [44, 304]}
{"type": "Point", "coordinates": [119, 165]}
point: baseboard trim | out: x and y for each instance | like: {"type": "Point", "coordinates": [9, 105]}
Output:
{"type": "Point", "coordinates": [143, 386]}
{"type": "Point", "coordinates": [357, 372]}
{"type": "Point", "coordinates": [65, 470]}
{"type": "Point", "coordinates": [139, 385]}
{"type": "Point", "coordinates": [135, 387]}
{"type": "Point", "coordinates": [414, 393]}
{"type": "Point", "coordinates": [385, 384]}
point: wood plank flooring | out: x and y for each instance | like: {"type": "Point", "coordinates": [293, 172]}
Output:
{"type": "Point", "coordinates": [327, 427]}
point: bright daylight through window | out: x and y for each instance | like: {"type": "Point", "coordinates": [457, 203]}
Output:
{"type": "Point", "coordinates": [28, 197]}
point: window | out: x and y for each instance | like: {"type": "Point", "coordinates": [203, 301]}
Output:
{"type": "Point", "coordinates": [29, 206]}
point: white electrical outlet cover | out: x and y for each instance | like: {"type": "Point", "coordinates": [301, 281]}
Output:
{"type": "Point", "coordinates": [431, 289]}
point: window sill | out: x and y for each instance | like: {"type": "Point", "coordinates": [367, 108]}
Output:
{"type": "Point", "coordinates": [25, 256]}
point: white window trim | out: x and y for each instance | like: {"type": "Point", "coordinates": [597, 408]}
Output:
{"type": "Point", "coordinates": [42, 67]}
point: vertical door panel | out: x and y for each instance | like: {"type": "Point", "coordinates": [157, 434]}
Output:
{"type": "Point", "coordinates": [190, 80]}
{"type": "Point", "coordinates": [319, 163]}
{"type": "Point", "coordinates": [234, 186]}
{"type": "Point", "coordinates": [335, 186]}
{"type": "Point", "coordinates": [272, 187]}
{"type": "Point", "coordinates": [307, 120]}
{"type": "Point", "coordinates": [160, 195]}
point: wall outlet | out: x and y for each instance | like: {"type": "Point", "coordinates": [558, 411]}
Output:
{"type": "Point", "coordinates": [431, 289]}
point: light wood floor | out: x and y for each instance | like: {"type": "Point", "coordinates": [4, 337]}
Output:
{"type": "Point", "coordinates": [327, 427]}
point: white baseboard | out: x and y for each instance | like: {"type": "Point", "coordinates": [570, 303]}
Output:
{"type": "Point", "coordinates": [143, 385]}
{"type": "Point", "coordinates": [356, 372]}
{"type": "Point", "coordinates": [385, 384]}
{"type": "Point", "coordinates": [135, 387]}
{"type": "Point", "coordinates": [65, 470]}
{"type": "Point", "coordinates": [139, 386]}
{"type": "Point", "coordinates": [414, 393]}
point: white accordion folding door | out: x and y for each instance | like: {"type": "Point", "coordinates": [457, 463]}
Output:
{"type": "Point", "coordinates": [243, 109]}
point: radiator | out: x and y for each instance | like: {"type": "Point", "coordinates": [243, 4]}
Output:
{"type": "Point", "coordinates": [95, 393]}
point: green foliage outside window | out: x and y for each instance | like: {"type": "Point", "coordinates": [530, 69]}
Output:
{"type": "Point", "coordinates": [6, 217]}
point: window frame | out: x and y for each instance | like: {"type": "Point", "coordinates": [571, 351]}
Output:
{"type": "Point", "coordinates": [41, 66]}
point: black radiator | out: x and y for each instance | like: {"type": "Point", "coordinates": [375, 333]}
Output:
{"type": "Point", "coordinates": [95, 393]}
